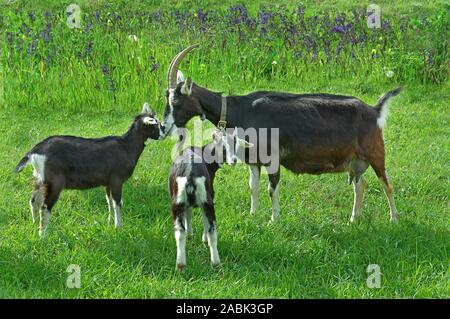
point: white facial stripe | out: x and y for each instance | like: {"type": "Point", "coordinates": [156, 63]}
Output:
{"type": "Point", "coordinates": [149, 120]}
{"type": "Point", "coordinates": [169, 119]}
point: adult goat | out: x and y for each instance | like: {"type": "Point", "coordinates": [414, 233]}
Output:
{"type": "Point", "coordinates": [318, 133]}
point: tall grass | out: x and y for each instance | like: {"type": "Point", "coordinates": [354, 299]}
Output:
{"type": "Point", "coordinates": [254, 47]}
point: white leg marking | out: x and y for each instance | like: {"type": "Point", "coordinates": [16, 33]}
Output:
{"type": "Point", "coordinates": [44, 220]}
{"type": "Point", "coordinates": [36, 201]}
{"type": "Point", "coordinates": [358, 198]}
{"type": "Point", "coordinates": [275, 206]}
{"type": "Point", "coordinates": [390, 196]}
{"type": "Point", "coordinates": [181, 190]}
{"type": "Point", "coordinates": [205, 229]}
{"type": "Point", "coordinates": [188, 218]}
{"type": "Point", "coordinates": [38, 163]}
{"type": "Point", "coordinates": [254, 187]}
{"type": "Point", "coordinates": [109, 200]}
{"type": "Point", "coordinates": [200, 190]}
{"type": "Point", "coordinates": [180, 237]}
{"type": "Point", "coordinates": [117, 215]}
{"type": "Point", "coordinates": [212, 242]}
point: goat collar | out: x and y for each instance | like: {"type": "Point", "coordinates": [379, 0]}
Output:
{"type": "Point", "coordinates": [223, 114]}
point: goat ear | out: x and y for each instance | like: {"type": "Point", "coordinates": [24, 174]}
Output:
{"type": "Point", "coordinates": [186, 89]}
{"type": "Point", "coordinates": [180, 76]}
{"type": "Point", "coordinates": [145, 108]}
{"type": "Point", "coordinates": [244, 143]}
{"type": "Point", "coordinates": [152, 111]}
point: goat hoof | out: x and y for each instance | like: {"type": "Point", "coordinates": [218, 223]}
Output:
{"type": "Point", "coordinates": [215, 264]}
{"type": "Point", "coordinates": [273, 221]}
{"type": "Point", "coordinates": [181, 267]}
{"type": "Point", "coordinates": [394, 220]}
{"type": "Point", "coordinates": [204, 239]}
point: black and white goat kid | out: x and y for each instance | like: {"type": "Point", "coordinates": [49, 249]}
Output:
{"type": "Point", "coordinates": [191, 185]}
{"type": "Point", "coordinates": [71, 162]}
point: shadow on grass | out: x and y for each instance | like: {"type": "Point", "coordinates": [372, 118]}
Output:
{"type": "Point", "coordinates": [283, 261]}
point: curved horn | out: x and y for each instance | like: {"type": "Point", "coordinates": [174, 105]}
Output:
{"type": "Point", "coordinates": [173, 68]}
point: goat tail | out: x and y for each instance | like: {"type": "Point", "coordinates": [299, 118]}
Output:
{"type": "Point", "coordinates": [190, 191]}
{"type": "Point", "coordinates": [382, 106]}
{"type": "Point", "coordinates": [22, 164]}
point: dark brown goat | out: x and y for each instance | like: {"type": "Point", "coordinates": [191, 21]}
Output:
{"type": "Point", "coordinates": [71, 162]}
{"type": "Point", "coordinates": [317, 133]}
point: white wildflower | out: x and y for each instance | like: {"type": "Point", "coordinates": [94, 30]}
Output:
{"type": "Point", "coordinates": [389, 73]}
{"type": "Point", "coordinates": [133, 37]}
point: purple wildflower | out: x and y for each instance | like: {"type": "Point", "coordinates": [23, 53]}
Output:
{"type": "Point", "coordinates": [385, 25]}
{"type": "Point", "coordinates": [201, 15]}
{"type": "Point", "coordinates": [300, 10]}
{"type": "Point", "coordinates": [430, 57]}
{"type": "Point", "coordinates": [105, 70]}
{"type": "Point", "coordinates": [31, 16]}
{"type": "Point", "coordinates": [89, 48]}
{"type": "Point", "coordinates": [47, 32]}
{"type": "Point", "coordinates": [31, 49]}
{"type": "Point", "coordinates": [154, 67]}
{"type": "Point", "coordinates": [9, 37]}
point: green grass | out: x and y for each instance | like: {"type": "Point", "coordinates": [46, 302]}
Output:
{"type": "Point", "coordinates": [312, 252]}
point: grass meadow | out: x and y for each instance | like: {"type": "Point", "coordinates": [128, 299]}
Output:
{"type": "Point", "coordinates": [91, 81]}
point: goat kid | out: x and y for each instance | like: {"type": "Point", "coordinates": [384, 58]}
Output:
{"type": "Point", "coordinates": [71, 162]}
{"type": "Point", "coordinates": [191, 185]}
